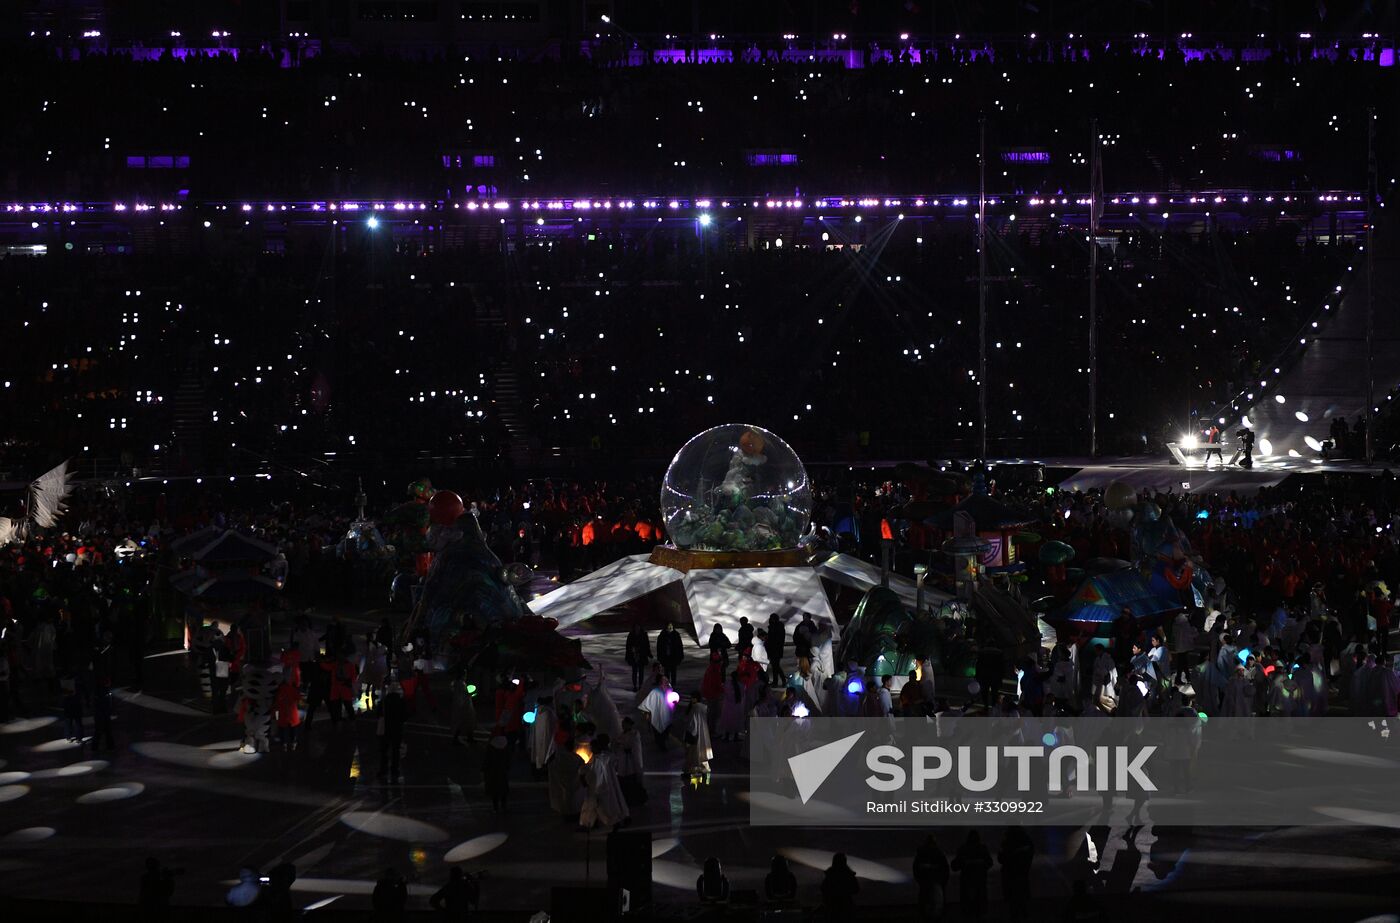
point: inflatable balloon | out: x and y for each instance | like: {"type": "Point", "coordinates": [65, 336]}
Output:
{"type": "Point", "coordinates": [421, 489]}
{"type": "Point", "coordinates": [445, 507]}
{"type": "Point", "coordinates": [1119, 496]}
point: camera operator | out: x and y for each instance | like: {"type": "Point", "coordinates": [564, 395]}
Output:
{"type": "Point", "coordinates": [1246, 450]}
{"type": "Point", "coordinates": [157, 887]}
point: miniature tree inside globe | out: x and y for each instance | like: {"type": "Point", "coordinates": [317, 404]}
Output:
{"type": "Point", "coordinates": [736, 487]}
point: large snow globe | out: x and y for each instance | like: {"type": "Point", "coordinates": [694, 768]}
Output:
{"type": "Point", "coordinates": [736, 487]}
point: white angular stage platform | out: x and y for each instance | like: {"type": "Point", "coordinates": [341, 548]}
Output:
{"type": "Point", "coordinates": [721, 595]}
{"type": "Point", "coordinates": [1161, 474]}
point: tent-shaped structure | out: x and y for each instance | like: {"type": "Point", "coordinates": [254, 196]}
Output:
{"type": "Point", "coordinates": [218, 547]}
{"type": "Point", "coordinates": [1100, 598]}
{"type": "Point", "coordinates": [228, 566]}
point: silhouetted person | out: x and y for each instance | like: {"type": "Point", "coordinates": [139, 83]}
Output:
{"type": "Point", "coordinates": [972, 863]}
{"type": "Point", "coordinates": [393, 716]}
{"type": "Point", "coordinates": [669, 651]}
{"type": "Point", "coordinates": [1016, 853]}
{"type": "Point", "coordinates": [720, 644]}
{"type": "Point", "coordinates": [318, 692]}
{"type": "Point", "coordinates": [776, 640]}
{"type": "Point", "coordinates": [390, 896]}
{"type": "Point", "coordinates": [745, 639]}
{"type": "Point", "coordinates": [1121, 875]}
{"type": "Point", "coordinates": [802, 636]}
{"type": "Point", "coordinates": [335, 637]}
{"type": "Point", "coordinates": [102, 719]}
{"type": "Point", "coordinates": [276, 897]}
{"type": "Point", "coordinates": [638, 654]}
{"type": "Point", "coordinates": [931, 874]}
{"type": "Point", "coordinates": [458, 897]}
{"type": "Point", "coordinates": [495, 772]}
{"type": "Point", "coordinates": [1245, 454]}
{"type": "Point", "coordinates": [157, 887]}
{"type": "Point", "coordinates": [1083, 907]}
{"type": "Point", "coordinates": [839, 886]}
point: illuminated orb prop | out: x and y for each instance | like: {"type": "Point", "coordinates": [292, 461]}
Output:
{"type": "Point", "coordinates": [736, 487]}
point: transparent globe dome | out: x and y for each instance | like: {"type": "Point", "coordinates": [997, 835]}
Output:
{"type": "Point", "coordinates": [736, 487]}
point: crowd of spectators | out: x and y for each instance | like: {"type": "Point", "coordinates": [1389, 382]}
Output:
{"type": "Point", "coordinates": [186, 348]}
{"type": "Point", "coordinates": [380, 125]}
{"type": "Point", "coordinates": [217, 355]}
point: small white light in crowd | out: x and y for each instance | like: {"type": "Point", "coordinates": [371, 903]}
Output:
{"type": "Point", "coordinates": [372, 222]}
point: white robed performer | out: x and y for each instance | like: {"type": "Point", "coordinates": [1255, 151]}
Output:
{"type": "Point", "coordinates": [814, 688]}
{"type": "Point", "coordinates": [628, 748]}
{"type": "Point", "coordinates": [629, 752]}
{"type": "Point", "coordinates": [542, 733]}
{"type": "Point", "coordinates": [43, 505]}
{"type": "Point", "coordinates": [759, 655]}
{"type": "Point", "coordinates": [822, 656]}
{"type": "Point", "coordinates": [602, 709]}
{"type": "Point", "coordinates": [1238, 696]}
{"type": "Point", "coordinates": [603, 803]}
{"type": "Point", "coordinates": [44, 639]}
{"type": "Point", "coordinates": [765, 706]}
{"type": "Point", "coordinates": [1286, 696]}
{"type": "Point", "coordinates": [565, 796]}
{"type": "Point", "coordinates": [1105, 676]}
{"type": "Point", "coordinates": [698, 748]}
{"type": "Point", "coordinates": [1313, 687]}
{"type": "Point", "coordinates": [659, 708]}
{"type": "Point", "coordinates": [840, 700]}
{"type": "Point", "coordinates": [1064, 681]}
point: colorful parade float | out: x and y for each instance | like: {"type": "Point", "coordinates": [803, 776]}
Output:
{"type": "Point", "coordinates": [470, 603]}
{"type": "Point", "coordinates": [1164, 576]}
{"type": "Point", "coordinates": [736, 501]}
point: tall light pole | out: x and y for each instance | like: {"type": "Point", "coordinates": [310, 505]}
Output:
{"type": "Point", "coordinates": [982, 282]}
{"type": "Point", "coordinates": [1370, 282]}
{"type": "Point", "coordinates": [1095, 194]}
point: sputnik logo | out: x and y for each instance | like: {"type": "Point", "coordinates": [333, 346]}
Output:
{"type": "Point", "coordinates": [810, 769]}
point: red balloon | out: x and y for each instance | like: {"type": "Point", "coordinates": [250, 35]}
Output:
{"type": "Point", "coordinates": [444, 508]}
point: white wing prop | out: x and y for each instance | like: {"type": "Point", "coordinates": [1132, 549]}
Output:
{"type": "Point", "coordinates": [46, 496]}
{"type": "Point", "coordinates": [12, 530]}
